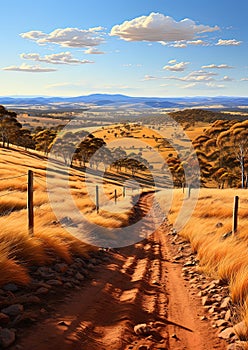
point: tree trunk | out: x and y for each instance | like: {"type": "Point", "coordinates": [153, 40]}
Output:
{"type": "Point", "coordinates": [242, 161]}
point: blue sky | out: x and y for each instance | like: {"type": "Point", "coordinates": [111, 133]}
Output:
{"type": "Point", "coordinates": [138, 48]}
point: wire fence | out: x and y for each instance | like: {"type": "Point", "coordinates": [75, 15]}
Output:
{"type": "Point", "coordinates": [35, 178]}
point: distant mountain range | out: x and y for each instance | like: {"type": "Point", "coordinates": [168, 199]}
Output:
{"type": "Point", "coordinates": [117, 100]}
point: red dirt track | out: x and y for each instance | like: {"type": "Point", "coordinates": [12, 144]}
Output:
{"type": "Point", "coordinates": [139, 284]}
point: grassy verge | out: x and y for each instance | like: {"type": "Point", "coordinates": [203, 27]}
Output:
{"type": "Point", "coordinates": [223, 256]}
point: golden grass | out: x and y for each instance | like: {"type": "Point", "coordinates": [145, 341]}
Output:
{"type": "Point", "coordinates": [51, 240]}
{"type": "Point", "coordinates": [223, 258]}
{"type": "Point", "coordinates": [12, 271]}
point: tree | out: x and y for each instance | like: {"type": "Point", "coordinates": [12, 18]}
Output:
{"type": "Point", "coordinates": [236, 141]}
{"type": "Point", "coordinates": [25, 139]}
{"type": "Point", "coordinates": [9, 127]}
{"type": "Point", "coordinates": [43, 140]}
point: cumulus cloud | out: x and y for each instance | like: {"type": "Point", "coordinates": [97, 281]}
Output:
{"type": "Point", "coordinates": [68, 37]}
{"type": "Point", "coordinates": [244, 79]}
{"type": "Point", "coordinates": [176, 67]}
{"type": "Point", "coordinates": [217, 66]}
{"type": "Point", "coordinates": [26, 68]}
{"type": "Point", "coordinates": [57, 58]}
{"type": "Point", "coordinates": [159, 28]}
{"type": "Point", "coordinates": [93, 51]}
{"type": "Point", "coordinates": [230, 42]}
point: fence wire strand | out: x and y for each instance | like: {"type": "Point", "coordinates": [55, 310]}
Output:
{"type": "Point", "coordinates": [12, 177]}
{"type": "Point", "coordinates": [8, 193]}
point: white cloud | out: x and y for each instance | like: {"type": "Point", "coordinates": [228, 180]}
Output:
{"type": "Point", "coordinates": [230, 42]}
{"type": "Point", "coordinates": [199, 76]}
{"type": "Point", "coordinates": [93, 51]}
{"type": "Point", "coordinates": [160, 28]}
{"type": "Point", "coordinates": [196, 76]}
{"type": "Point", "coordinates": [180, 45]}
{"type": "Point", "coordinates": [57, 58]}
{"type": "Point", "coordinates": [226, 78]}
{"type": "Point", "coordinates": [172, 61]}
{"type": "Point", "coordinates": [203, 85]}
{"type": "Point", "coordinates": [150, 77]}
{"type": "Point", "coordinates": [189, 86]}
{"type": "Point", "coordinates": [198, 43]}
{"type": "Point", "coordinates": [68, 37]}
{"type": "Point", "coordinates": [215, 86]}
{"type": "Point", "coordinates": [138, 65]}
{"type": "Point", "coordinates": [26, 68]}
{"type": "Point", "coordinates": [217, 66]}
{"type": "Point", "coordinates": [244, 79]}
{"type": "Point", "coordinates": [177, 67]}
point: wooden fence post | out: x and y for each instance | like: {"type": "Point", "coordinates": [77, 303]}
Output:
{"type": "Point", "coordinates": [235, 214]}
{"type": "Point", "coordinates": [124, 191]}
{"type": "Point", "coordinates": [97, 199]}
{"type": "Point", "coordinates": [189, 191]}
{"type": "Point", "coordinates": [115, 196]}
{"type": "Point", "coordinates": [30, 202]}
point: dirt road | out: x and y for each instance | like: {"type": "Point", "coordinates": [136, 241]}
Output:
{"type": "Point", "coordinates": [140, 284]}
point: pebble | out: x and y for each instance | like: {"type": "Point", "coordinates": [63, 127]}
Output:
{"type": "Point", "coordinates": [225, 303]}
{"type": "Point", "coordinates": [79, 276]}
{"type": "Point", "coordinates": [13, 310]}
{"type": "Point", "coordinates": [10, 287]}
{"type": "Point", "coordinates": [227, 333]}
{"type": "Point", "coordinates": [62, 267]}
{"type": "Point", "coordinates": [7, 337]}
{"type": "Point", "coordinates": [4, 319]}
{"type": "Point", "coordinates": [42, 290]}
{"type": "Point", "coordinates": [142, 329]}
{"type": "Point", "coordinates": [54, 283]}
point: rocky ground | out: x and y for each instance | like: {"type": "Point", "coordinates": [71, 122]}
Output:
{"type": "Point", "coordinates": [144, 297]}
{"type": "Point", "coordinates": [21, 307]}
{"type": "Point", "coordinates": [213, 294]}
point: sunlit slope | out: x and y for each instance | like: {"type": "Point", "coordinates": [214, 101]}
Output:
{"type": "Point", "coordinates": [51, 238]}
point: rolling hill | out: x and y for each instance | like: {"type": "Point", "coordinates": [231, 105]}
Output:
{"type": "Point", "coordinates": [123, 100]}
